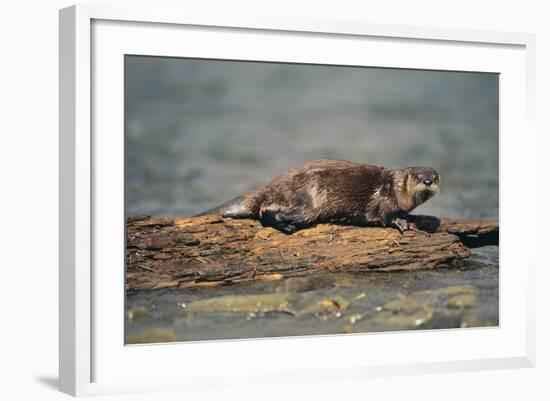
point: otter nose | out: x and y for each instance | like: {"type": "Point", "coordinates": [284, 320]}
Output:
{"type": "Point", "coordinates": [427, 182]}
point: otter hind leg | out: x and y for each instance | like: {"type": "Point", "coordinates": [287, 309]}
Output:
{"type": "Point", "coordinates": [287, 222]}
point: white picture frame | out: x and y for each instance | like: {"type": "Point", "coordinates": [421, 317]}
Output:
{"type": "Point", "coordinates": [93, 358]}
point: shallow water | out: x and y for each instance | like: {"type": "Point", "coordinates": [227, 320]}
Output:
{"type": "Point", "coordinates": [201, 132]}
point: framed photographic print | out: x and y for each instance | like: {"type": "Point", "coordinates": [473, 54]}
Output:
{"type": "Point", "coordinates": [292, 199]}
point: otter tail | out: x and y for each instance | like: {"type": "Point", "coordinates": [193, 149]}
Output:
{"type": "Point", "coordinates": [232, 208]}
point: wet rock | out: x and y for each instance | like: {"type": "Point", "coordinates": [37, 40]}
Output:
{"type": "Point", "coordinates": [471, 320]}
{"type": "Point", "coordinates": [303, 284]}
{"type": "Point", "coordinates": [420, 308]}
{"type": "Point", "coordinates": [429, 298]}
{"type": "Point", "coordinates": [360, 296]}
{"type": "Point", "coordinates": [462, 301]}
{"type": "Point", "coordinates": [152, 336]}
{"type": "Point", "coordinates": [467, 264]}
{"type": "Point", "coordinates": [441, 293]}
{"type": "Point", "coordinates": [139, 312]}
{"type": "Point", "coordinates": [456, 290]}
{"type": "Point", "coordinates": [317, 308]}
{"type": "Point", "coordinates": [260, 303]}
{"type": "Point", "coordinates": [323, 307]}
{"type": "Point", "coordinates": [403, 313]}
{"type": "Point", "coordinates": [355, 318]}
{"type": "Point", "coordinates": [347, 280]}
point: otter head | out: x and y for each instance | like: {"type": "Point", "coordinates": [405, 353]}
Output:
{"type": "Point", "coordinates": [416, 185]}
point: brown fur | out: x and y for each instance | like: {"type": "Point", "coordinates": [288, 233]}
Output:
{"type": "Point", "coordinates": [337, 191]}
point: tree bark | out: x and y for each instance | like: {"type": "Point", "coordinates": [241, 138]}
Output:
{"type": "Point", "coordinates": [211, 250]}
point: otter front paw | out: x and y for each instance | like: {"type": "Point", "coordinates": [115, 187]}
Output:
{"type": "Point", "coordinates": [401, 224]}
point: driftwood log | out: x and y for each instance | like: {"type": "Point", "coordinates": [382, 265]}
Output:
{"type": "Point", "coordinates": [210, 250]}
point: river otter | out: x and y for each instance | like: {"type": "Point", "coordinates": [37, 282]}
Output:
{"type": "Point", "coordinates": [335, 191]}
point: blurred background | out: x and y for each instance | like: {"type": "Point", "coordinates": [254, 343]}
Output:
{"type": "Point", "coordinates": [200, 132]}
